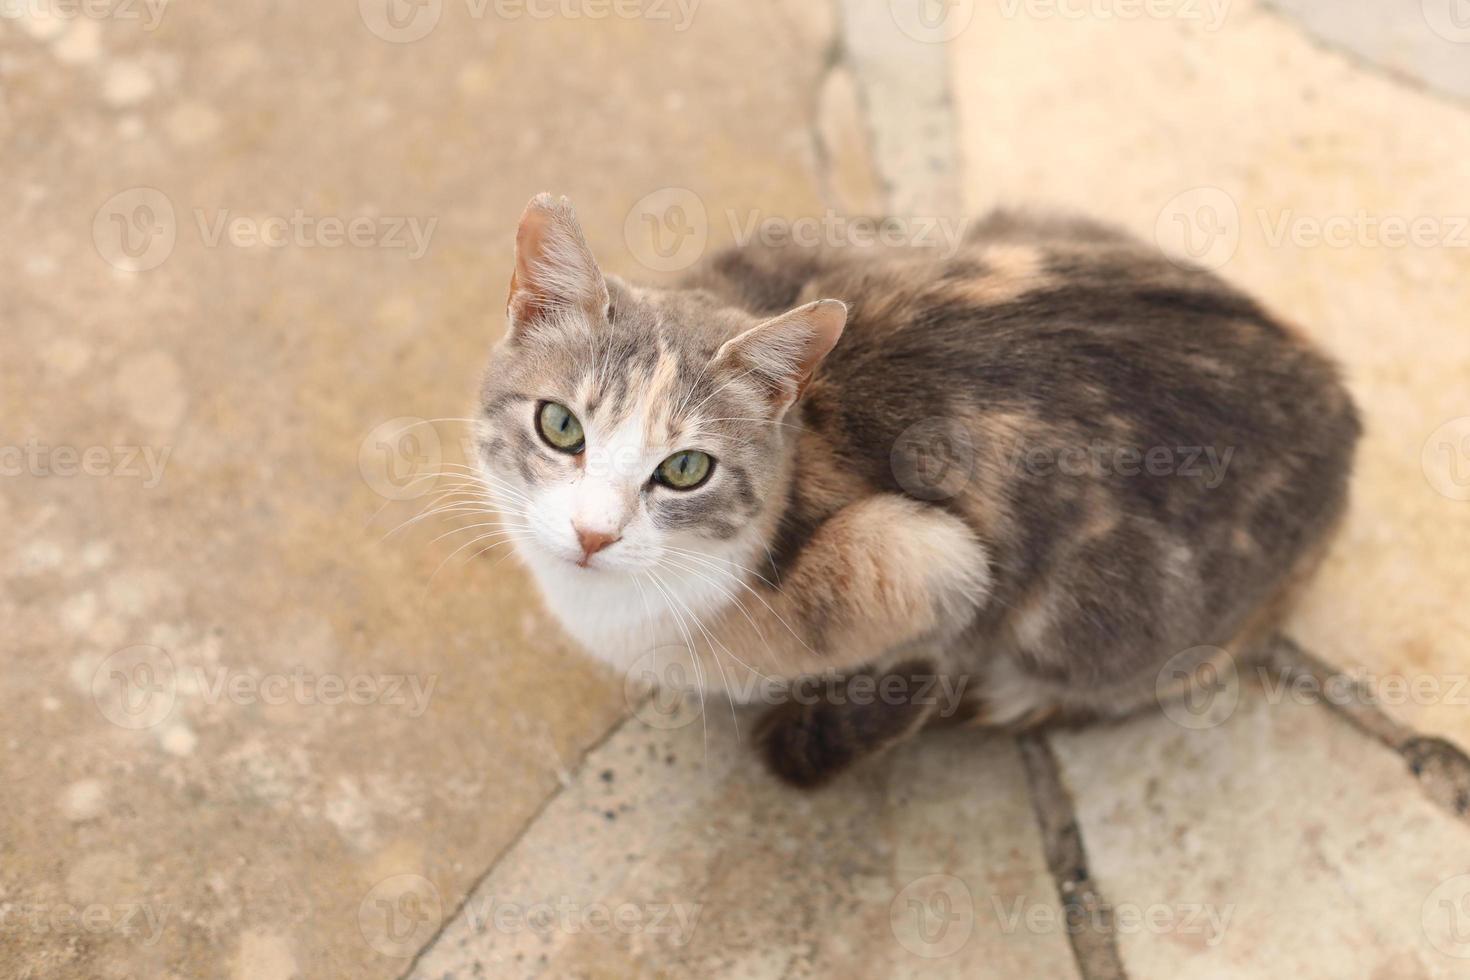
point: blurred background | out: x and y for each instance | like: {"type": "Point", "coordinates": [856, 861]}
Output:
{"type": "Point", "coordinates": [254, 255]}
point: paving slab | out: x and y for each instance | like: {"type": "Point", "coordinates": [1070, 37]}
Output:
{"type": "Point", "coordinates": [1424, 42]}
{"type": "Point", "coordinates": [234, 715]}
{"type": "Point", "coordinates": [672, 855]}
{"type": "Point", "coordinates": [1268, 840]}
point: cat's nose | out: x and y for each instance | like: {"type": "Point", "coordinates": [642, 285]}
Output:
{"type": "Point", "coordinates": [592, 541]}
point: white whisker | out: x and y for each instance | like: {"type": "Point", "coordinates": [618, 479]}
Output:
{"type": "Point", "coordinates": [693, 655]}
{"type": "Point", "coordinates": [746, 585]}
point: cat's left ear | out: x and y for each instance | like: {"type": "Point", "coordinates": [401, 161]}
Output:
{"type": "Point", "coordinates": [555, 271]}
{"type": "Point", "coordinates": [782, 354]}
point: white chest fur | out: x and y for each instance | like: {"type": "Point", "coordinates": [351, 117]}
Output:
{"type": "Point", "coordinates": [618, 616]}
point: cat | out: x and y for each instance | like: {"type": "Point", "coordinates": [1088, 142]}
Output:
{"type": "Point", "coordinates": [1047, 466]}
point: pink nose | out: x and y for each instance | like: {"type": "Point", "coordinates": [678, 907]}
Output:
{"type": "Point", "coordinates": [592, 541]}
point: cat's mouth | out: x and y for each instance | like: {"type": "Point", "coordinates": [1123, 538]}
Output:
{"type": "Point", "coordinates": [576, 558]}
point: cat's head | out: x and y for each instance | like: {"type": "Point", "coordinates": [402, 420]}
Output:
{"type": "Point", "coordinates": [622, 427]}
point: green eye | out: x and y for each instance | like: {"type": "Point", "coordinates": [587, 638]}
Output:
{"type": "Point", "coordinates": [684, 470]}
{"type": "Point", "coordinates": [560, 428]}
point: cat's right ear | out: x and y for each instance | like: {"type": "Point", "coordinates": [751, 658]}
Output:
{"type": "Point", "coordinates": [555, 273]}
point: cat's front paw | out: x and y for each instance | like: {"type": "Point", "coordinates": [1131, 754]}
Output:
{"type": "Point", "coordinates": [803, 745]}
{"type": "Point", "coordinates": [806, 744]}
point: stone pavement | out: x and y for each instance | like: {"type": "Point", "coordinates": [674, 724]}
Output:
{"type": "Point", "coordinates": [250, 733]}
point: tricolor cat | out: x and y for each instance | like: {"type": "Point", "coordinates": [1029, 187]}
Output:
{"type": "Point", "coordinates": [1047, 465]}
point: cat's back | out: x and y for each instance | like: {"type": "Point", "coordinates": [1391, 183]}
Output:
{"type": "Point", "coordinates": [1150, 457]}
{"type": "Point", "coordinates": [1050, 323]}
{"type": "Point", "coordinates": [1056, 380]}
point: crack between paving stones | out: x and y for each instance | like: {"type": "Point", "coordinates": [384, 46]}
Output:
{"type": "Point", "coordinates": [1441, 768]}
{"type": "Point", "coordinates": [561, 787]}
{"type": "Point", "coordinates": [1362, 62]}
{"type": "Point", "coordinates": [935, 186]}
{"type": "Point", "coordinates": [1089, 917]}
{"type": "Point", "coordinates": [834, 59]}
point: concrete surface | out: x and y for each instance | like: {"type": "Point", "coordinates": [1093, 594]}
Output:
{"type": "Point", "coordinates": [245, 735]}
{"type": "Point", "coordinates": [1422, 42]}
{"type": "Point", "coordinates": [1275, 844]}
{"type": "Point", "coordinates": [927, 865]}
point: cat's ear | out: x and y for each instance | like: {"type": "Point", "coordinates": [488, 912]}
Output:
{"type": "Point", "coordinates": [783, 353]}
{"type": "Point", "coordinates": [554, 272]}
